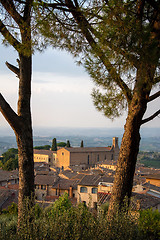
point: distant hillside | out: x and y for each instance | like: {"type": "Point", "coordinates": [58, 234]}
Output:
{"type": "Point", "coordinates": [146, 145]}
{"type": "Point", "coordinates": [92, 137]}
{"type": "Point", "coordinates": [149, 159]}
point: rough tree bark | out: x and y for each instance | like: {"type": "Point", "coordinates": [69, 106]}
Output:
{"type": "Point", "coordinates": [21, 122]}
{"type": "Point", "coordinates": [24, 136]}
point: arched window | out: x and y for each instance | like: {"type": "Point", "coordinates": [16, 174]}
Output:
{"type": "Point", "coordinates": [83, 189]}
{"type": "Point", "coordinates": [94, 190]}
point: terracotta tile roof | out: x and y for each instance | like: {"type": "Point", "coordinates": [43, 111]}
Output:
{"type": "Point", "coordinates": [45, 179]}
{"type": "Point", "coordinates": [41, 168]}
{"type": "Point", "coordinates": [65, 184]}
{"type": "Point", "coordinates": [89, 149]}
{"type": "Point", "coordinates": [146, 201]}
{"type": "Point", "coordinates": [67, 174]}
{"type": "Point", "coordinates": [41, 164]}
{"type": "Point", "coordinates": [85, 172]}
{"type": "Point", "coordinates": [153, 176]}
{"type": "Point", "coordinates": [78, 176]}
{"type": "Point", "coordinates": [7, 196]}
{"type": "Point", "coordinates": [13, 186]}
{"type": "Point", "coordinates": [94, 180]}
{"type": "Point", "coordinates": [43, 152]}
{"type": "Point", "coordinates": [41, 173]}
{"type": "Point", "coordinates": [151, 186]}
{"type": "Point", "coordinates": [8, 175]}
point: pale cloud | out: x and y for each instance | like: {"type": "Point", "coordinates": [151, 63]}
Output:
{"type": "Point", "coordinates": [51, 82]}
{"type": "Point", "coordinates": [9, 83]}
{"type": "Point", "coordinates": [60, 92]}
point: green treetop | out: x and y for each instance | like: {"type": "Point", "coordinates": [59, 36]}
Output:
{"type": "Point", "coordinates": [54, 145]}
{"type": "Point", "coordinates": [68, 144]}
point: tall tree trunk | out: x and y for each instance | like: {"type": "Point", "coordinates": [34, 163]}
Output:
{"type": "Point", "coordinates": [129, 149]}
{"type": "Point", "coordinates": [24, 137]}
{"type": "Point", "coordinates": [21, 123]}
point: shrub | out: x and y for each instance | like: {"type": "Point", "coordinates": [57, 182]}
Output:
{"type": "Point", "coordinates": [8, 227]}
{"type": "Point", "coordinates": [13, 209]}
{"type": "Point", "coordinates": [149, 224]}
{"type": "Point", "coordinates": [62, 221]}
{"type": "Point", "coordinates": [61, 205]}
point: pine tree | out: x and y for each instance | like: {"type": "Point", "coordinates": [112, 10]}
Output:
{"type": "Point", "coordinates": [54, 145]}
{"type": "Point", "coordinates": [118, 42]}
{"type": "Point", "coordinates": [82, 144]}
{"type": "Point", "coordinates": [68, 144]}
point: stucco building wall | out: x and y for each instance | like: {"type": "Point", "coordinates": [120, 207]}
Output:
{"type": "Point", "coordinates": [63, 158]}
{"type": "Point", "coordinates": [89, 198]}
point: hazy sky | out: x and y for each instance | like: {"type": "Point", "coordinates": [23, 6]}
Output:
{"type": "Point", "coordinates": [61, 92]}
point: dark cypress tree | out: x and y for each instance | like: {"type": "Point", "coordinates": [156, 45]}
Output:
{"type": "Point", "coordinates": [54, 145]}
{"type": "Point", "coordinates": [82, 144]}
{"type": "Point", "coordinates": [68, 144]}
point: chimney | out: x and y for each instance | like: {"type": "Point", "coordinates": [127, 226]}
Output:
{"type": "Point", "coordinates": [58, 189]}
{"type": "Point", "coordinates": [70, 192]}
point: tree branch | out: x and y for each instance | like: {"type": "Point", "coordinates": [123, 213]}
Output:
{"type": "Point", "coordinates": [27, 9]}
{"type": "Point", "coordinates": [154, 96]}
{"type": "Point", "coordinates": [12, 118]}
{"type": "Point", "coordinates": [85, 28]}
{"type": "Point", "coordinates": [151, 117]}
{"type": "Point", "coordinates": [9, 37]}
{"type": "Point", "coordinates": [156, 80]}
{"type": "Point", "coordinates": [154, 4]}
{"type": "Point", "coordinates": [53, 5]}
{"type": "Point", "coordinates": [10, 8]}
{"type": "Point", "coordinates": [13, 69]}
{"type": "Point", "coordinates": [140, 8]}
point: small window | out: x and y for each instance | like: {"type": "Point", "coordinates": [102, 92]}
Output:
{"type": "Point", "coordinates": [88, 159]}
{"type": "Point", "coordinates": [84, 203]}
{"type": "Point", "coordinates": [43, 187]}
{"type": "Point", "coordinates": [94, 190]}
{"type": "Point", "coordinates": [112, 156]}
{"type": "Point", "coordinates": [62, 153]}
{"type": "Point", "coordinates": [83, 189]}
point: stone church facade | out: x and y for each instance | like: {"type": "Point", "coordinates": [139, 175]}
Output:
{"type": "Point", "coordinates": [86, 156]}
